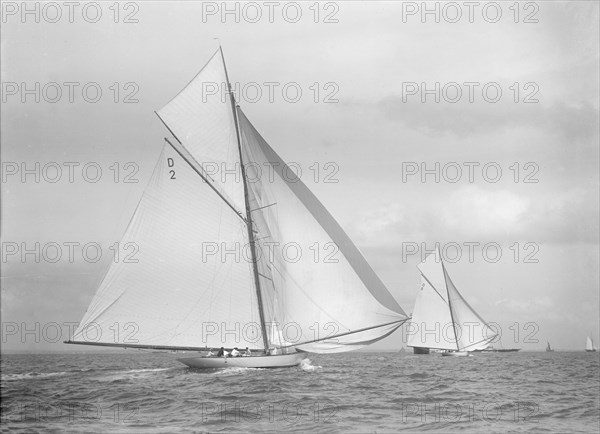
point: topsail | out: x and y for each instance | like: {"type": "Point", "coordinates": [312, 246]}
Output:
{"type": "Point", "coordinates": [218, 192]}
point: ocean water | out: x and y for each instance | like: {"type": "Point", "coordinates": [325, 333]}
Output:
{"type": "Point", "coordinates": [143, 392]}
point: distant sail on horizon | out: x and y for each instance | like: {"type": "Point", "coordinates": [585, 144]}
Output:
{"type": "Point", "coordinates": [589, 345]}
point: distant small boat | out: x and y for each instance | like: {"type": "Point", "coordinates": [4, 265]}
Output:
{"type": "Point", "coordinates": [589, 345]}
{"type": "Point", "coordinates": [549, 349]}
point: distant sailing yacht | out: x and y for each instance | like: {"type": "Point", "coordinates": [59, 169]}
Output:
{"type": "Point", "coordinates": [192, 291]}
{"type": "Point", "coordinates": [549, 349]}
{"type": "Point", "coordinates": [442, 318]}
{"type": "Point", "coordinates": [589, 345]}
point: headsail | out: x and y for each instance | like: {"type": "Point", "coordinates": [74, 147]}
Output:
{"type": "Point", "coordinates": [201, 118]}
{"type": "Point", "coordinates": [338, 298]}
{"type": "Point", "coordinates": [431, 324]}
{"type": "Point", "coordinates": [442, 318]}
{"type": "Point", "coordinates": [178, 293]}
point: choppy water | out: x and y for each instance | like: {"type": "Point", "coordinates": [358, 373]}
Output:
{"type": "Point", "coordinates": [143, 392]}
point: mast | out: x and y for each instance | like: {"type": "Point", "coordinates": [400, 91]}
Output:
{"type": "Point", "coordinates": [449, 304]}
{"type": "Point", "coordinates": [249, 224]}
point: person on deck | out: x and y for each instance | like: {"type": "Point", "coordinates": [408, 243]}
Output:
{"type": "Point", "coordinates": [210, 354]}
{"type": "Point", "coordinates": [247, 353]}
{"type": "Point", "coordinates": [221, 352]}
{"type": "Point", "coordinates": [235, 352]}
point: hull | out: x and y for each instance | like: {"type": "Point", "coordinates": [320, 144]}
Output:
{"type": "Point", "coordinates": [456, 353]}
{"type": "Point", "coordinates": [590, 351]}
{"type": "Point", "coordinates": [419, 350]}
{"type": "Point", "coordinates": [278, 361]}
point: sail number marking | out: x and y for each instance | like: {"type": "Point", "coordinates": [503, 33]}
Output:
{"type": "Point", "coordinates": [171, 163]}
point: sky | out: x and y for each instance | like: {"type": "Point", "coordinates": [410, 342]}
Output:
{"type": "Point", "coordinates": [368, 74]}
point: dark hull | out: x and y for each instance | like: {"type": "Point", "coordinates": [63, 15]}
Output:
{"type": "Point", "coordinates": [419, 350]}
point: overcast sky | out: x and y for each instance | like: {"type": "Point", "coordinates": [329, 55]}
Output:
{"type": "Point", "coordinates": [374, 129]}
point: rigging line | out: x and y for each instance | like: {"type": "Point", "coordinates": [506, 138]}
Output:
{"type": "Point", "coordinates": [249, 224]}
{"type": "Point", "coordinates": [450, 306]}
{"type": "Point", "coordinates": [263, 207]}
{"type": "Point", "coordinates": [210, 184]}
{"type": "Point", "coordinates": [266, 277]}
{"type": "Point", "coordinates": [434, 288]}
{"type": "Point", "coordinates": [399, 322]}
{"type": "Point", "coordinates": [152, 347]}
{"type": "Point", "coordinates": [489, 339]}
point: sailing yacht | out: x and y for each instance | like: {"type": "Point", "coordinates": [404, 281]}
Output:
{"type": "Point", "coordinates": [442, 319]}
{"type": "Point", "coordinates": [549, 349]}
{"type": "Point", "coordinates": [192, 291]}
{"type": "Point", "coordinates": [589, 345]}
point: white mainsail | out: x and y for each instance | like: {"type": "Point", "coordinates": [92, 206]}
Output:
{"type": "Point", "coordinates": [320, 298]}
{"type": "Point", "coordinates": [589, 345]}
{"type": "Point", "coordinates": [180, 296]}
{"type": "Point", "coordinates": [442, 318]}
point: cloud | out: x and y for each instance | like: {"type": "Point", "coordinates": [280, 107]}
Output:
{"type": "Point", "coordinates": [473, 213]}
{"type": "Point", "coordinates": [471, 209]}
{"type": "Point", "coordinates": [573, 121]}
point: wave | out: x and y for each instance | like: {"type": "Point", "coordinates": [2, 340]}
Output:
{"type": "Point", "coordinates": [236, 370]}
{"type": "Point", "coordinates": [31, 375]}
{"type": "Point", "coordinates": [306, 365]}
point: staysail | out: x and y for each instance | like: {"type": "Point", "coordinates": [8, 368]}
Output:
{"type": "Point", "coordinates": [178, 293]}
{"type": "Point", "coordinates": [195, 284]}
{"type": "Point", "coordinates": [442, 318]}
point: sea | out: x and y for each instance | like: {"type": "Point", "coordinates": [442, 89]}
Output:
{"type": "Point", "coordinates": [135, 391]}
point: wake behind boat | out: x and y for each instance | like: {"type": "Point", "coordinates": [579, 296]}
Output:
{"type": "Point", "coordinates": [456, 353]}
{"type": "Point", "coordinates": [207, 275]}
